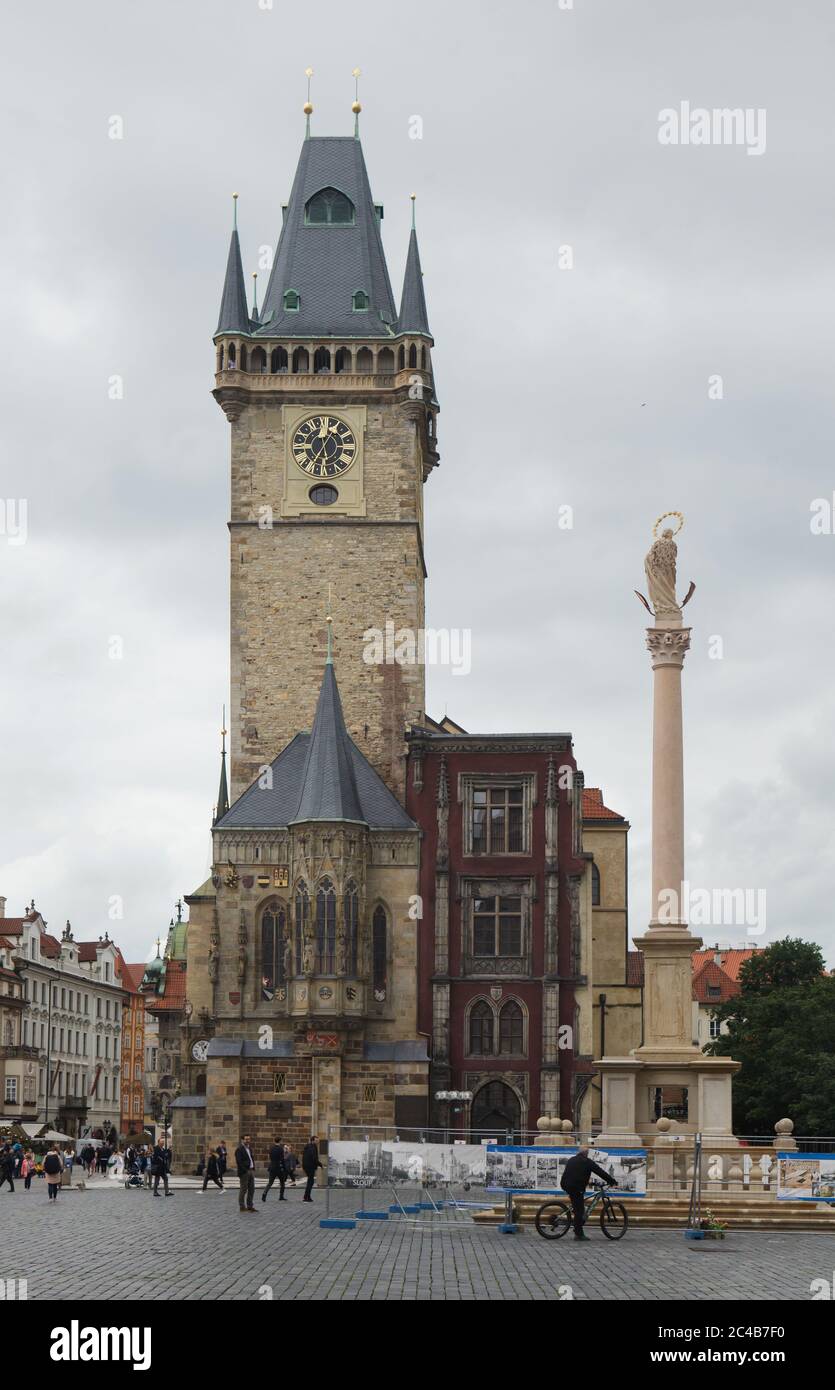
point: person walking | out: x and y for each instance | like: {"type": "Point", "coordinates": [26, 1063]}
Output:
{"type": "Point", "coordinates": [212, 1172]}
{"type": "Point", "coordinates": [7, 1166]}
{"type": "Point", "coordinates": [160, 1164]}
{"type": "Point", "coordinates": [17, 1155]}
{"type": "Point", "coordinates": [278, 1170]}
{"type": "Point", "coordinates": [222, 1159]}
{"type": "Point", "coordinates": [27, 1168]}
{"type": "Point", "coordinates": [246, 1174]}
{"type": "Point", "coordinates": [291, 1163]}
{"type": "Point", "coordinates": [53, 1166]}
{"type": "Point", "coordinates": [575, 1180]}
{"type": "Point", "coordinates": [310, 1162]}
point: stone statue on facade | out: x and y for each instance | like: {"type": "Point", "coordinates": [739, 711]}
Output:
{"type": "Point", "coordinates": [214, 959]}
{"type": "Point", "coordinates": [341, 950]}
{"type": "Point", "coordinates": [308, 951]}
{"type": "Point", "coordinates": [288, 957]}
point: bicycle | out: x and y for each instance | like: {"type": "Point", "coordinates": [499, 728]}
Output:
{"type": "Point", "coordinates": [554, 1219]}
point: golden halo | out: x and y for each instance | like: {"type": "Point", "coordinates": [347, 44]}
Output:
{"type": "Point", "coordinates": [663, 517]}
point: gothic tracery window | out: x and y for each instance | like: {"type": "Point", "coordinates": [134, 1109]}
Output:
{"type": "Point", "coordinates": [511, 1029]}
{"type": "Point", "coordinates": [481, 1030]}
{"type": "Point", "coordinates": [273, 931]}
{"type": "Point", "coordinates": [302, 906]}
{"type": "Point", "coordinates": [351, 920]}
{"type": "Point", "coordinates": [379, 953]}
{"type": "Point", "coordinates": [325, 927]}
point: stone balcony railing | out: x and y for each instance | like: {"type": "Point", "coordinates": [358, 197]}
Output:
{"type": "Point", "coordinates": [323, 381]}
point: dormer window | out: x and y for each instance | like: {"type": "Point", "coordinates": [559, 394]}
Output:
{"type": "Point", "coordinates": [292, 301]}
{"type": "Point", "coordinates": [329, 208]}
{"type": "Point", "coordinates": [360, 301]}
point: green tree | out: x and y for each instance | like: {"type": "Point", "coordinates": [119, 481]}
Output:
{"type": "Point", "coordinates": [781, 1027]}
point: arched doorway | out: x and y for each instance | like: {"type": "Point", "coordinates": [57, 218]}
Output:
{"type": "Point", "coordinates": [496, 1109]}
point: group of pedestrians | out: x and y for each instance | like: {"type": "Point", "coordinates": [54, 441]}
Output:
{"type": "Point", "coordinates": [281, 1169]}
{"type": "Point", "coordinates": [23, 1164]}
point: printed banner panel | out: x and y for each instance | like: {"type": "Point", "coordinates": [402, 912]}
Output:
{"type": "Point", "coordinates": [380, 1162]}
{"type": "Point", "coordinates": [806, 1177]}
{"type": "Point", "coordinates": [511, 1168]}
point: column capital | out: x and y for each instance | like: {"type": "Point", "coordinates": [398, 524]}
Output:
{"type": "Point", "coordinates": [668, 645]}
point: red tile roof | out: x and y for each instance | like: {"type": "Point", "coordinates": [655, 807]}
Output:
{"type": "Point", "coordinates": [635, 969]}
{"type": "Point", "coordinates": [174, 996]}
{"type": "Point", "coordinates": [712, 985]}
{"type": "Point", "coordinates": [50, 946]}
{"type": "Point", "coordinates": [133, 975]}
{"type": "Point", "coordinates": [593, 807]}
{"type": "Point", "coordinates": [730, 961]}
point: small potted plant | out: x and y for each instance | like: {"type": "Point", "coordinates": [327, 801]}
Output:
{"type": "Point", "coordinates": [713, 1228]}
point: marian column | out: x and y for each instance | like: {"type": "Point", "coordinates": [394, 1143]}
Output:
{"type": "Point", "coordinates": [668, 1072]}
{"type": "Point", "coordinates": [667, 945]}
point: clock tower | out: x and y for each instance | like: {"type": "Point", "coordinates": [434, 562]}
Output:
{"type": "Point", "coordinates": [329, 391]}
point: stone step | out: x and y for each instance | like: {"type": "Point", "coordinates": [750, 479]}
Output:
{"type": "Point", "coordinates": [737, 1213]}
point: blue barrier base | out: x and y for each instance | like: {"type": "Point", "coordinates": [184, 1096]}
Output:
{"type": "Point", "coordinates": [337, 1223]}
{"type": "Point", "coordinates": [372, 1215]}
{"type": "Point", "coordinates": [508, 1228]}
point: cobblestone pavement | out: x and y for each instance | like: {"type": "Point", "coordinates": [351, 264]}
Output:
{"type": "Point", "coordinates": [192, 1246]}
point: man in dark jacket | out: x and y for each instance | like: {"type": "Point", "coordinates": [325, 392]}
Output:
{"type": "Point", "coordinates": [278, 1170]}
{"type": "Point", "coordinates": [160, 1164]}
{"type": "Point", "coordinates": [310, 1162]}
{"type": "Point", "coordinates": [7, 1166]}
{"type": "Point", "coordinates": [246, 1174]}
{"type": "Point", "coordinates": [575, 1180]}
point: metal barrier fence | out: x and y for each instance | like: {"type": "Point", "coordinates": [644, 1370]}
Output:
{"type": "Point", "coordinates": [423, 1175]}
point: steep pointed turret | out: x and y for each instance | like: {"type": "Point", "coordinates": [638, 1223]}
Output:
{"type": "Point", "coordinates": [329, 278]}
{"type": "Point", "coordinates": [234, 315]}
{"type": "Point", "coordinates": [223, 791]}
{"type": "Point", "coordinates": [329, 785]}
{"type": "Point", "coordinates": [413, 317]}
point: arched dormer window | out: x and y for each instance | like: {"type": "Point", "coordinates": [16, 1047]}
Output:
{"type": "Point", "coordinates": [292, 301]}
{"type": "Point", "coordinates": [325, 927]}
{"type": "Point", "coordinates": [481, 1030]}
{"type": "Point", "coordinates": [351, 922]}
{"type": "Point", "coordinates": [360, 301]}
{"type": "Point", "coordinates": [329, 208]}
{"type": "Point", "coordinates": [595, 886]}
{"type": "Point", "coordinates": [379, 953]}
{"type": "Point", "coordinates": [302, 906]}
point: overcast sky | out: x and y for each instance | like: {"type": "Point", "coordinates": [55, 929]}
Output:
{"type": "Point", "coordinates": [586, 387]}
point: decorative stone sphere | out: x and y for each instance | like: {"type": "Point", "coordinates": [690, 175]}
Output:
{"type": "Point", "coordinates": [663, 1125]}
{"type": "Point", "coordinates": [543, 1123]}
{"type": "Point", "coordinates": [566, 1126]}
{"type": "Point", "coordinates": [784, 1127]}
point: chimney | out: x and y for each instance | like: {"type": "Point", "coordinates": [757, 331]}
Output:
{"type": "Point", "coordinates": [2, 907]}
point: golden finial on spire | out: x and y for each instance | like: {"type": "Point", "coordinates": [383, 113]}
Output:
{"type": "Point", "coordinates": [357, 106]}
{"type": "Point", "coordinates": [308, 106]}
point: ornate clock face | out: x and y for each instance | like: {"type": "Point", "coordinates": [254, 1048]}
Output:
{"type": "Point", "coordinates": [200, 1050]}
{"type": "Point", "coordinates": [324, 446]}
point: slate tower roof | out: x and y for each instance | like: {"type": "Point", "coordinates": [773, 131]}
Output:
{"type": "Point", "coordinates": [320, 776]}
{"type": "Point", "coordinates": [234, 315]}
{"type": "Point", "coordinates": [327, 261]}
{"type": "Point", "coordinates": [413, 317]}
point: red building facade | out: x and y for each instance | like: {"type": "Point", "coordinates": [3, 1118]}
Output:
{"type": "Point", "coordinates": [505, 938]}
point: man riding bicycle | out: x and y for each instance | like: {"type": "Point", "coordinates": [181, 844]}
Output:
{"type": "Point", "coordinates": [575, 1180]}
